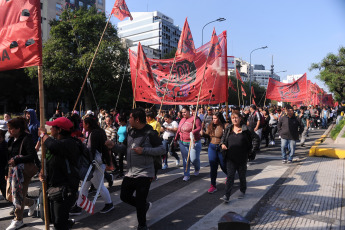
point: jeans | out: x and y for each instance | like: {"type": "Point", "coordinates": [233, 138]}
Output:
{"type": "Point", "coordinates": [168, 148]}
{"type": "Point", "coordinates": [288, 144]}
{"type": "Point", "coordinates": [215, 158]}
{"type": "Point", "coordinates": [304, 135]}
{"type": "Point", "coordinates": [241, 169]}
{"type": "Point", "coordinates": [324, 122]}
{"type": "Point", "coordinates": [141, 186]}
{"type": "Point", "coordinates": [273, 131]}
{"type": "Point", "coordinates": [96, 179]}
{"type": "Point", "coordinates": [194, 156]}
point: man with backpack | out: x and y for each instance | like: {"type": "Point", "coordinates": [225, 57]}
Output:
{"type": "Point", "coordinates": [143, 144]}
{"type": "Point", "coordinates": [255, 123]}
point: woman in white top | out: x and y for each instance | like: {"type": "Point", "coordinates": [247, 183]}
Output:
{"type": "Point", "coordinates": [169, 129]}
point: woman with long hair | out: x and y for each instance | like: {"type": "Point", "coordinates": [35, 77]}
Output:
{"type": "Point", "coordinates": [238, 148]}
{"type": "Point", "coordinates": [21, 153]}
{"type": "Point", "coordinates": [187, 136]}
{"type": "Point", "coordinates": [215, 131]}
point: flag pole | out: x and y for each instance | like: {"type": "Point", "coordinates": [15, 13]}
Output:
{"type": "Point", "coordinates": [88, 72]}
{"type": "Point", "coordinates": [214, 82]}
{"type": "Point", "coordinates": [43, 149]}
{"type": "Point", "coordinates": [242, 98]}
{"type": "Point", "coordinates": [135, 87]}
{"type": "Point", "coordinates": [123, 77]}
{"type": "Point", "coordinates": [166, 87]}
{"type": "Point", "coordinates": [238, 91]}
{"type": "Point", "coordinates": [196, 110]}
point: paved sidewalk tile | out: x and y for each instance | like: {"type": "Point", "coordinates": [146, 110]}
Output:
{"type": "Point", "coordinates": [311, 198]}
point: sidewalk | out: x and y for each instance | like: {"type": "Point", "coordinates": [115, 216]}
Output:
{"type": "Point", "coordinates": [311, 197]}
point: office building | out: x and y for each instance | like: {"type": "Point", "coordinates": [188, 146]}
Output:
{"type": "Point", "coordinates": [261, 75]}
{"type": "Point", "coordinates": [51, 9]}
{"type": "Point", "coordinates": [153, 30]}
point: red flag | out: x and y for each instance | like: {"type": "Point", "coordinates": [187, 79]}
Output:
{"type": "Point", "coordinates": [20, 34]}
{"type": "Point", "coordinates": [120, 10]}
{"type": "Point", "coordinates": [142, 62]}
{"type": "Point", "coordinates": [287, 92]}
{"type": "Point", "coordinates": [239, 76]}
{"type": "Point", "coordinates": [243, 92]}
{"type": "Point", "coordinates": [215, 49]}
{"type": "Point", "coordinates": [253, 92]}
{"type": "Point", "coordinates": [186, 48]}
{"type": "Point", "coordinates": [253, 101]}
{"type": "Point", "coordinates": [231, 85]}
{"type": "Point", "coordinates": [185, 79]}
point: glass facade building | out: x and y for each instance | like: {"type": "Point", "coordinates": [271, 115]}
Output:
{"type": "Point", "coordinates": [152, 29]}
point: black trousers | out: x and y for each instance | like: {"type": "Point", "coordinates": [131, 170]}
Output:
{"type": "Point", "coordinates": [59, 212]}
{"type": "Point", "coordinates": [3, 184]}
{"type": "Point", "coordinates": [241, 169]}
{"type": "Point", "coordinates": [141, 186]}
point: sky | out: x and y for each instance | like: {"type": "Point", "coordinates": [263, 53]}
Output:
{"type": "Point", "coordinates": [297, 32]}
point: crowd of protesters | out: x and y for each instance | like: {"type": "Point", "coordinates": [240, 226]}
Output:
{"type": "Point", "coordinates": [143, 140]}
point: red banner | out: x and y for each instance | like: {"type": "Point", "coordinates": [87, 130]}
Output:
{"type": "Point", "coordinates": [231, 85]}
{"type": "Point", "coordinates": [287, 92]}
{"type": "Point", "coordinates": [185, 82]}
{"type": "Point", "coordinates": [253, 92]}
{"type": "Point", "coordinates": [326, 100]}
{"type": "Point", "coordinates": [238, 76]}
{"type": "Point", "coordinates": [120, 10]}
{"type": "Point", "coordinates": [20, 34]}
{"type": "Point", "coordinates": [243, 92]}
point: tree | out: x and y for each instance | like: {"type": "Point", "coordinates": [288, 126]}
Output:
{"type": "Point", "coordinates": [67, 55]}
{"type": "Point", "coordinates": [171, 54]}
{"type": "Point", "coordinates": [332, 72]}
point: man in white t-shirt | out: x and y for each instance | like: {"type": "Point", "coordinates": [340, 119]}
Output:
{"type": "Point", "coordinates": [169, 129]}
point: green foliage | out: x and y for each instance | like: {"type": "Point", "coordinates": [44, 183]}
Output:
{"type": "Point", "coordinates": [69, 51]}
{"type": "Point", "coordinates": [17, 91]}
{"type": "Point", "coordinates": [336, 130]}
{"type": "Point", "coordinates": [332, 72]}
{"type": "Point", "coordinates": [171, 54]}
{"type": "Point", "coordinates": [259, 92]}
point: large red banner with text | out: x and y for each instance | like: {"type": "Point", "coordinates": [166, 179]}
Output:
{"type": "Point", "coordinates": [20, 34]}
{"type": "Point", "coordinates": [287, 92]}
{"type": "Point", "coordinates": [185, 80]}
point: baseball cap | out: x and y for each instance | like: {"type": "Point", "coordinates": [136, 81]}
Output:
{"type": "Point", "coordinates": [61, 122]}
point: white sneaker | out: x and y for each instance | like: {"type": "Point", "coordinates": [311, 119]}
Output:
{"type": "Point", "coordinates": [32, 208]}
{"type": "Point", "coordinates": [164, 166]}
{"type": "Point", "coordinates": [15, 224]}
{"type": "Point", "coordinates": [196, 173]}
{"type": "Point", "coordinates": [186, 178]}
{"type": "Point", "coordinates": [177, 162]}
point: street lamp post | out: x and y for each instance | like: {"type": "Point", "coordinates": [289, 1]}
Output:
{"type": "Point", "coordinates": [250, 71]}
{"type": "Point", "coordinates": [202, 33]}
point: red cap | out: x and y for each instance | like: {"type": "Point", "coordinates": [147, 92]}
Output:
{"type": "Point", "coordinates": [61, 122]}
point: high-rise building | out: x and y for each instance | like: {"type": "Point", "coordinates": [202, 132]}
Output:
{"type": "Point", "coordinates": [153, 30]}
{"type": "Point", "coordinates": [51, 9]}
{"type": "Point", "coordinates": [292, 78]}
{"type": "Point", "coordinates": [261, 75]}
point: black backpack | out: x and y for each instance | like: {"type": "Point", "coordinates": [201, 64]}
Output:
{"type": "Point", "coordinates": [84, 160]}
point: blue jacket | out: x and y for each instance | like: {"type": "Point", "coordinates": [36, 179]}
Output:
{"type": "Point", "coordinates": [34, 124]}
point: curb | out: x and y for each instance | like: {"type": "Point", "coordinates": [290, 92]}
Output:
{"type": "Point", "coordinates": [326, 152]}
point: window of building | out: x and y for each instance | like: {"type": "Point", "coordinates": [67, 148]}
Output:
{"type": "Point", "coordinates": [58, 7]}
{"type": "Point", "coordinates": [81, 4]}
{"type": "Point", "coordinates": [100, 2]}
{"type": "Point", "coordinates": [57, 17]}
{"type": "Point", "coordinates": [72, 1]}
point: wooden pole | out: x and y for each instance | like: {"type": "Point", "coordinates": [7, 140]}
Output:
{"type": "Point", "coordinates": [166, 87]}
{"type": "Point", "coordinates": [135, 87]}
{"type": "Point", "coordinates": [88, 72]}
{"type": "Point", "coordinates": [238, 91]}
{"type": "Point", "coordinates": [123, 77]}
{"type": "Point", "coordinates": [242, 98]}
{"type": "Point", "coordinates": [214, 82]}
{"type": "Point", "coordinates": [196, 110]}
{"type": "Point", "coordinates": [43, 149]}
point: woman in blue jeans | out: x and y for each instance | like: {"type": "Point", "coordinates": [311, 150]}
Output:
{"type": "Point", "coordinates": [215, 130]}
{"type": "Point", "coordinates": [189, 136]}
